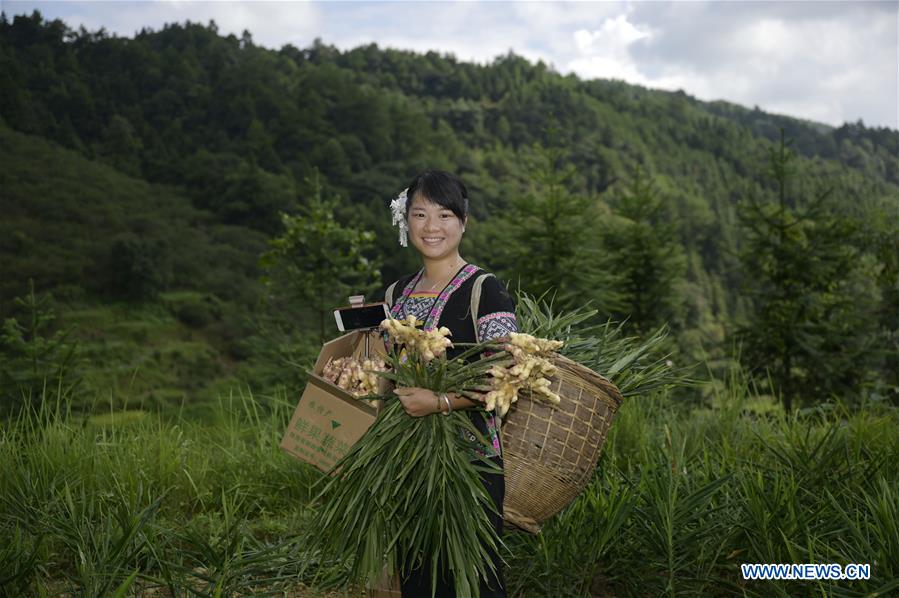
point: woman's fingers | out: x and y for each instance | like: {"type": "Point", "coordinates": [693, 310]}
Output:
{"type": "Point", "coordinates": [408, 406]}
{"type": "Point", "coordinates": [404, 398]}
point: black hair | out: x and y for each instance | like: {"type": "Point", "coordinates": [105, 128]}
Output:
{"type": "Point", "coordinates": [443, 188]}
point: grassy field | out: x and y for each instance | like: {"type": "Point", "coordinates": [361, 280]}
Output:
{"type": "Point", "coordinates": [138, 503]}
{"type": "Point", "coordinates": [167, 356]}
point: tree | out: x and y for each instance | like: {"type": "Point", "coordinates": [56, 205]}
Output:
{"type": "Point", "coordinates": [120, 146]}
{"type": "Point", "coordinates": [812, 296]}
{"type": "Point", "coordinates": [883, 237]}
{"type": "Point", "coordinates": [137, 267]}
{"type": "Point", "coordinates": [253, 197]}
{"type": "Point", "coordinates": [35, 364]}
{"type": "Point", "coordinates": [548, 243]}
{"type": "Point", "coordinates": [318, 262]}
{"type": "Point", "coordinates": [646, 255]}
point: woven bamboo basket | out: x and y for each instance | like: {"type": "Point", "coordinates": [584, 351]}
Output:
{"type": "Point", "coordinates": [550, 452]}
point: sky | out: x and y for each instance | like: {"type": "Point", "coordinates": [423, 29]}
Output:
{"type": "Point", "coordinates": [831, 61]}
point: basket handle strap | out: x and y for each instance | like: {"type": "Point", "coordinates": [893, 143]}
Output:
{"type": "Point", "coordinates": [475, 303]}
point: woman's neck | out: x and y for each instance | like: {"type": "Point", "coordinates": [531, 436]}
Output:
{"type": "Point", "coordinates": [442, 270]}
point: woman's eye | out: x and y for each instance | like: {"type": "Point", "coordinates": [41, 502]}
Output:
{"type": "Point", "coordinates": [445, 216]}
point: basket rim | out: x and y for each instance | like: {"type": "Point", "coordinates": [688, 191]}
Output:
{"type": "Point", "coordinates": [589, 376]}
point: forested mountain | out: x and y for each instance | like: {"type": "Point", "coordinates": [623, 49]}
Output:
{"type": "Point", "coordinates": [217, 137]}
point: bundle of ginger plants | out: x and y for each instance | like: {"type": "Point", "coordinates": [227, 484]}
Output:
{"type": "Point", "coordinates": [411, 487]}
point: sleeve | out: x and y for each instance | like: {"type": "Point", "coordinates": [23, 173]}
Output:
{"type": "Point", "coordinates": [496, 311]}
{"type": "Point", "coordinates": [383, 295]}
{"type": "Point", "coordinates": [388, 346]}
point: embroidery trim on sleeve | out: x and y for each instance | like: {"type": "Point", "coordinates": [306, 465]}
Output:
{"type": "Point", "coordinates": [497, 324]}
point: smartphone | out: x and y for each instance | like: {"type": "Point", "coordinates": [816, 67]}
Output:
{"type": "Point", "coordinates": [360, 318]}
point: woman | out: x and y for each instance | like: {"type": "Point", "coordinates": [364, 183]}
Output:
{"type": "Point", "coordinates": [434, 212]}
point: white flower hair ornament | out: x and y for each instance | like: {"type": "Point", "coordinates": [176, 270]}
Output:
{"type": "Point", "coordinates": [398, 208]}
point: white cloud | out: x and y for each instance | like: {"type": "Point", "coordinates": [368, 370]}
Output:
{"type": "Point", "coordinates": [832, 67]}
{"type": "Point", "coordinates": [612, 38]}
{"type": "Point", "coordinates": [604, 53]}
{"type": "Point", "coordinates": [766, 39]}
{"type": "Point", "coordinates": [607, 52]}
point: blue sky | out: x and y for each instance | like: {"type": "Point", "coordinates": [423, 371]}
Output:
{"type": "Point", "coordinates": [827, 61]}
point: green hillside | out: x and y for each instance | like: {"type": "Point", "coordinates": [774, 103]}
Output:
{"type": "Point", "coordinates": [83, 228]}
{"type": "Point", "coordinates": [149, 172]}
{"type": "Point", "coordinates": [136, 270]}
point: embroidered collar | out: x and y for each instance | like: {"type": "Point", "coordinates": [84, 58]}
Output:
{"type": "Point", "coordinates": [440, 303]}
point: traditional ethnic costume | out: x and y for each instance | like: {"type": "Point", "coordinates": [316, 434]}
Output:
{"type": "Point", "coordinates": [451, 307]}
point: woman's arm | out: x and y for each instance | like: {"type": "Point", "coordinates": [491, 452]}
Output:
{"type": "Point", "coordinates": [419, 402]}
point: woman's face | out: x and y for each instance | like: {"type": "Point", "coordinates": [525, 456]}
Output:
{"type": "Point", "coordinates": [435, 231]}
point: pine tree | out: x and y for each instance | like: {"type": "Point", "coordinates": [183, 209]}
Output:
{"type": "Point", "coordinates": [646, 253]}
{"type": "Point", "coordinates": [37, 359]}
{"type": "Point", "coordinates": [547, 241]}
{"type": "Point", "coordinates": [812, 298]}
{"type": "Point", "coordinates": [881, 238]}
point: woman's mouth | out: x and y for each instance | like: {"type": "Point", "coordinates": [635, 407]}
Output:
{"type": "Point", "coordinates": [432, 240]}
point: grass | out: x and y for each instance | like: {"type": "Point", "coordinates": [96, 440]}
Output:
{"type": "Point", "coordinates": [144, 358]}
{"type": "Point", "coordinates": [133, 503]}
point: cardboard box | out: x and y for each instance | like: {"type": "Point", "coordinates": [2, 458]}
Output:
{"type": "Point", "coordinates": [387, 586]}
{"type": "Point", "coordinates": [328, 420]}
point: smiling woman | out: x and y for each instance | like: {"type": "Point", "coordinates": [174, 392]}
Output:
{"type": "Point", "coordinates": [444, 293]}
{"type": "Point", "coordinates": [436, 225]}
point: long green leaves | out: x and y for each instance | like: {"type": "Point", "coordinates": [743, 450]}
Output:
{"type": "Point", "coordinates": [195, 509]}
{"type": "Point", "coordinates": [235, 516]}
{"type": "Point", "coordinates": [636, 366]}
{"type": "Point", "coordinates": [409, 495]}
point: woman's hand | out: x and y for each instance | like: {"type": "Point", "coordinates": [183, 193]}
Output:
{"type": "Point", "coordinates": [416, 401]}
